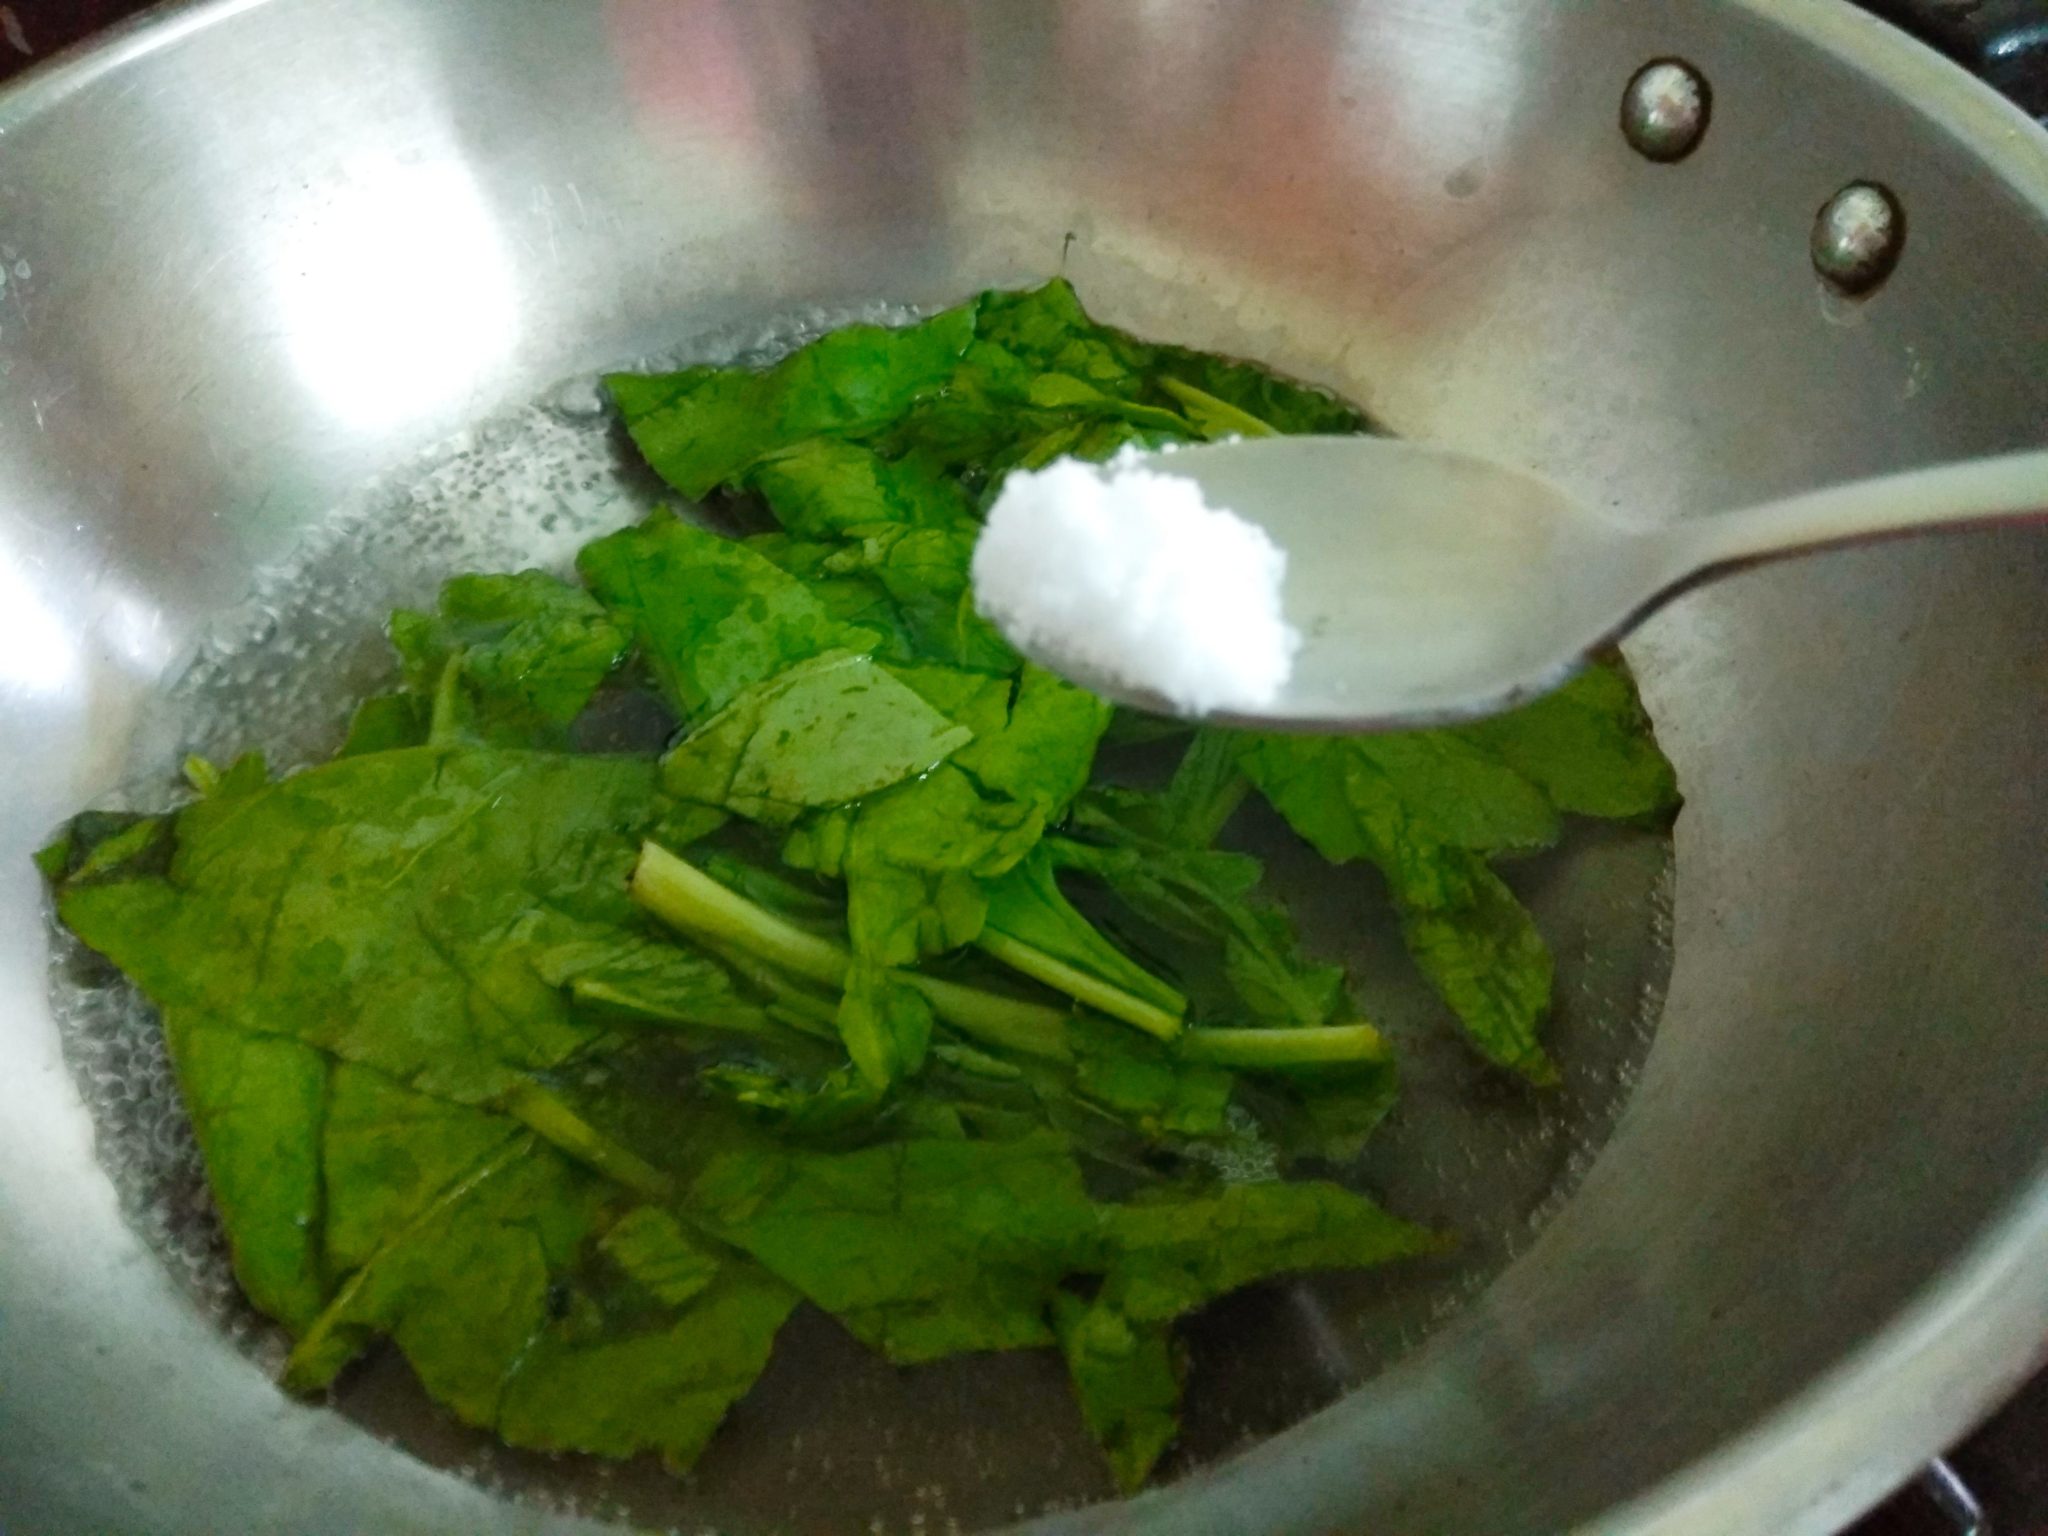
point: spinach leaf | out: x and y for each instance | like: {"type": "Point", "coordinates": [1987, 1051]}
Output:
{"type": "Point", "coordinates": [1429, 807]}
{"type": "Point", "coordinates": [1174, 1251]}
{"type": "Point", "coordinates": [1588, 747]}
{"type": "Point", "coordinates": [1034, 735]}
{"type": "Point", "coordinates": [605, 1328]}
{"type": "Point", "coordinates": [1243, 944]}
{"type": "Point", "coordinates": [825, 488]}
{"type": "Point", "coordinates": [921, 1248]}
{"type": "Point", "coordinates": [1341, 793]}
{"type": "Point", "coordinates": [616, 1374]}
{"type": "Point", "coordinates": [825, 732]}
{"type": "Point", "coordinates": [829, 1108]}
{"type": "Point", "coordinates": [712, 617]}
{"type": "Point", "coordinates": [887, 1026]}
{"type": "Point", "coordinates": [359, 909]}
{"type": "Point", "coordinates": [387, 721]}
{"type": "Point", "coordinates": [1026, 906]}
{"type": "Point", "coordinates": [1127, 1380]}
{"type": "Point", "coordinates": [907, 586]}
{"type": "Point", "coordinates": [1472, 939]}
{"type": "Point", "coordinates": [705, 427]}
{"type": "Point", "coordinates": [1277, 403]}
{"type": "Point", "coordinates": [923, 573]}
{"type": "Point", "coordinates": [1145, 1085]}
{"type": "Point", "coordinates": [1325, 1113]}
{"type": "Point", "coordinates": [1207, 787]}
{"type": "Point", "coordinates": [1479, 948]}
{"type": "Point", "coordinates": [915, 859]}
{"type": "Point", "coordinates": [505, 661]}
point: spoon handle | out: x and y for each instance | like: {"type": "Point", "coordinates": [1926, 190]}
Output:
{"type": "Point", "coordinates": [1977, 493]}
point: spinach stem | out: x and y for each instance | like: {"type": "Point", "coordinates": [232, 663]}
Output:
{"type": "Point", "coordinates": [548, 1117]}
{"type": "Point", "coordinates": [694, 904]}
{"type": "Point", "coordinates": [1079, 985]}
{"type": "Point", "coordinates": [443, 728]}
{"type": "Point", "coordinates": [1320, 1045]}
{"type": "Point", "coordinates": [1216, 417]}
{"type": "Point", "coordinates": [691, 902]}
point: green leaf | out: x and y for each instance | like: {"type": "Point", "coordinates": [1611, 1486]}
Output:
{"type": "Point", "coordinates": [1145, 1085]}
{"type": "Point", "coordinates": [513, 660]}
{"type": "Point", "coordinates": [1588, 747]}
{"type": "Point", "coordinates": [921, 1248]}
{"type": "Point", "coordinates": [1127, 1380]}
{"type": "Point", "coordinates": [257, 1105]}
{"type": "Point", "coordinates": [388, 721]}
{"type": "Point", "coordinates": [358, 972]}
{"type": "Point", "coordinates": [617, 973]}
{"type": "Point", "coordinates": [357, 909]}
{"type": "Point", "coordinates": [597, 1331]}
{"type": "Point", "coordinates": [1340, 792]}
{"type": "Point", "coordinates": [1045, 330]}
{"type": "Point", "coordinates": [103, 845]}
{"type": "Point", "coordinates": [915, 859]}
{"type": "Point", "coordinates": [712, 617]}
{"type": "Point", "coordinates": [845, 589]}
{"type": "Point", "coordinates": [831, 1107]}
{"type": "Point", "coordinates": [1241, 958]}
{"type": "Point", "coordinates": [1480, 949]}
{"type": "Point", "coordinates": [652, 1248]}
{"type": "Point", "coordinates": [1179, 1250]}
{"type": "Point", "coordinates": [1207, 787]}
{"type": "Point", "coordinates": [822, 733]}
{"type": "Point", "coordinates": [705, 427]}
{"type": "Point", "coordinates": [1473, 940]}
{"type": "Point", "coordinates": [924, 576]}
{"type": "Point", "coordinates": [887, 1026]}
{"type": "Point", "coordinates": [115, 847]}
{"type": "Point", "coordinates": [1215, 418]}
{"type": "Point", "coordinates": [591, 1381]}
{"type": "Point", "coordinates": [1327, 1113]}
{"type": "Point", "coordinates": [1026, 905]}
{"type": "Point", "coordinates": [826, 489]}
{"type": "Point", "coordinates": [1280, 403]}
{"type": "Point", "coordinates": [1035, 735]}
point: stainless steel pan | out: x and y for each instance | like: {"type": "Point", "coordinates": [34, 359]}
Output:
{"type": "Point", "coordinates": [262, 251]}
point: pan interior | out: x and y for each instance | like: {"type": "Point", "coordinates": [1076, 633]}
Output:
{"type": "Point", "coordinates": [974, 1441]}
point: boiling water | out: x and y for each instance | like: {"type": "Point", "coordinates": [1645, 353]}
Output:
{"type": "Point", "coordinates": [832, 1440]}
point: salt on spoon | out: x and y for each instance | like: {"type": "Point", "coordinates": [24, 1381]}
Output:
{"type": "Point", "coordinates": [1118, 571]}
{"type": "Point", "coordinates": [1432, 586]}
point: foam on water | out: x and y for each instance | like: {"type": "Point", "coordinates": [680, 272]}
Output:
{"type": "Point", "coordinates": [831, 1439]}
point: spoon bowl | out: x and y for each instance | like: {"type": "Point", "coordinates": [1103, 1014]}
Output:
{"type": "Point", "coordinates": [1431, 586]}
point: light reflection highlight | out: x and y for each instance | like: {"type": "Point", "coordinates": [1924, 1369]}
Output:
{"type": "Point", "coordinates": [398, 296]}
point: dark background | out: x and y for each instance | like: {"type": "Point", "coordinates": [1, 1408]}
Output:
{"type": "Point", "coordinates": [2006, 1463]}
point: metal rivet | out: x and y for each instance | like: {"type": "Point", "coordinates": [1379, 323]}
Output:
{"type": "Point", "coordinates": [1665, 109]}
{"type": "Point", "coordinates": [1857, 237]}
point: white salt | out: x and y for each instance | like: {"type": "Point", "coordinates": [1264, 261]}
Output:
{"type": "Point", "coordinates": [1130, 575]}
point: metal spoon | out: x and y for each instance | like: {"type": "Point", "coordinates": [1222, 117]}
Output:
{"type": "Point", "coordinates": [1432, 586]}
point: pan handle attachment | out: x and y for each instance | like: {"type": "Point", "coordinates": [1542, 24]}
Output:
{"type": "Point", "coordinates": [2002, 42]}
